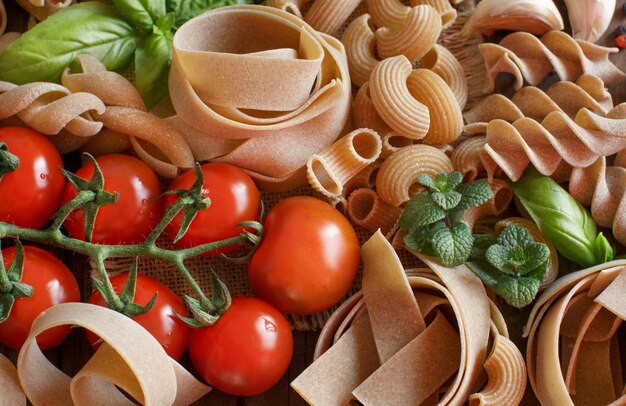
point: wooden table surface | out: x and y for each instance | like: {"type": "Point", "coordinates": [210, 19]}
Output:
{"type": "Point", "coordinates": [75, 351]}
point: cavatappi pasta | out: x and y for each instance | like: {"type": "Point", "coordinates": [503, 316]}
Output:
{"type": "Point", "coordinates": [359, 40]}
{"type": "Point", "coordinates": [366, 209]}
{"type": "Point", "coordinates": [441, 61]}
{"type": "Point", "coordinates": [329, 15]}
{"type": "Point", "coordinates": [396, 181]}
{"type": "Point", "coordinates": [466, 158]}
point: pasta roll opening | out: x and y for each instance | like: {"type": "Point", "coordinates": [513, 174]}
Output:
{"type": "Point", "coordinates": [501, 198]}
{"type": "Point", "coordinates": [324, 178]}
{"type": "Point", "coordinates": [366, 145]}
{"type": "Point", "coordinates": [361, 203]}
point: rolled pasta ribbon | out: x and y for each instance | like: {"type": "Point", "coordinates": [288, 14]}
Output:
{"type": "Point", "coordinates": [573, 353]}
{"type": "Point", "coordinates": [290, 6]}
{"type": "Point", "coordinates": [366, 209]}
{"type": "Point", "coordinates": [388, 13]}
{"type": "Point", "coordinates": [446, 121]}
{"type": "Point", "coordinates": [422, 22]}
{"type": "Point", "coordinates": [441, 61]}
{"type": "Point", "coordinates": [466, 158]}
{"type": "Point", "coordinates": [365, 113]}
{"type": "Point", "coordinates": [359, 40]}
{"type": "Point", "coordinates": [11, 392]}
{"type": "Point", "coordinates": [502, 197]}
{"type": "Point", "coordinates": [275, 145]}
{"type": "Point", "coordinates": [421, 338]}
{"type": "Point", "coordinates": [529, 58]}
{"type": "Point", "coordinates": [446, 11]}
{"type": "Point", "coordinates": [328, 171]}
{"type": "Point", "coordinates": [144, 372]}
{"type": "Point", "coordinates": [393, 100]}
{"type": "Point", "coordinates": [553, 262]}
{"type": "Point", "coordinates": [329, 15]}
{"type": "Point", "coordinates": [397, 177]}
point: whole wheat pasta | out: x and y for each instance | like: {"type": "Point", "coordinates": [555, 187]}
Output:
{"type": "Point", "coordinates": [530, 58]}
{"type": "Point", "coordinates": [329, 15]}
{"type": "Point", "coordinates": [446, 121]}
{"type": "Point", "coordinates": [441, 61]}
{"type": "Point", "coordinates": [366, 209]}
{"type": "Point", "coordinates": [7, 38]}
{"type": "Point", "coordinates": [392, 142]}
{"type": "Point", "coordinates": [445, 9]}
{"type": "Point", "coordinates": [359, 40]}
{"type": "Point", "coordinates": [466, 158]}
{"type": "Point", "coordinates": [422, 22]}
{"type": "Point", "coordinates": [41, 9]}
{"type": "Point", "coordinates": [329, 170]}
{"type": "Point", "coordinates": [289, 6]}
{"type": "Point", "coordinates": [365, 178]}
{"type": "Point", "coordinates": [553, 262]}
{"type": "Point", "coordinates": [396, 181]}
{"type": "Point", "coordinates": [502, 197]}
{"type": "Point", "coordinates": [387, 13]}
{"type": "Point", "coordinates": [365, 114]}
{"type": "Point", "coordinates": [393, 101]}
{"type": "Point", "coordinates": [3, 18]}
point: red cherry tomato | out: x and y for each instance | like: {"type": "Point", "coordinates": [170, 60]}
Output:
{"type": "Point", "coordinates": [137, 210]}
{"type": "Point", "coordinates": [234, 199]}
{"type": "Point", "coordinates": [161, 321]}
{"type": "Point", "coordinates": [246, 351]}
{"type": "Point", "coordinates": [53, 283]}
{"type": "Point", "coordinates": [308, 258]}
{"type": "Point", "coordinates": [30, 195]}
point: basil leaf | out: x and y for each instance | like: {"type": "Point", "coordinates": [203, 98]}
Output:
{"type": "Point", "coordinates": [142, 13]}
{"type": "Point", "coordinates": [91, 28]}
{"type": "Point", "coordinates": [153, 58]}
{"type": "Point", "coordinates": [188, 9]}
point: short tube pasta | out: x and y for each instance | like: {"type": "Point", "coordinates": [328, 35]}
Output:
{"type": "Point", "coordinates": [329, 15]}
{"type": "Point", "coordinates": [366, 209]}
{"type": "Point", "coordinates": [359, 40]}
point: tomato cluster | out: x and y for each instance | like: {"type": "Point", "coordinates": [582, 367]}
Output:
{"type": "Point", "coordinates": [305, 264]}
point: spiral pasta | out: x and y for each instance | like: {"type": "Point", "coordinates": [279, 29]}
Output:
{"type": "Point", "coordinates": [441, 61]}
{"type": "Point", "coordinates": [530, 58]}
{"type": "Point", "coordinates": [359, 40]}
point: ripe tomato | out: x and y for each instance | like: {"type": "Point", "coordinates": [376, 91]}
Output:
{"type": "Point", "coordinates": [137, 210]}
{"type": "Point", "coordinates": [234, 199]}
{"type": "Point", "coordinates": [161, 320]}
{"type": "Point", "coordinates": [53, 283]}
{"type": "Point", "coordinates": [246, 351]}
{"type": "Point", "coordinates": [30, 195]}
{"type": "Point", "coordinates": [308, 258]}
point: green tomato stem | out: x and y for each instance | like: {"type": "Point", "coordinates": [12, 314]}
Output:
{"type": "Point", "coordinates": [5, 283]}
{"type": "Point", "coordinates": [60, 216]}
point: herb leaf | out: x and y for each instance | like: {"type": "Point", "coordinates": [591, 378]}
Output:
{"type": "Point", "coordinates": [187, 9]}
{"type": "Point", "coordinates": [153, 58]}
{"type": "Point", "coordinates": [474, 194]}
{"type": "Point", "coordinates": [92, 28]}
{"type": "Point", "coordinates": [421, 211]}
{"type": "Point", "coordinates": [452, 245]}
{"type": "Point", "coordinates": [143, 14]}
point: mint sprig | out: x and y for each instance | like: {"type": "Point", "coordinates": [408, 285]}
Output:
{"type": "Point", "coordinates": [432, 219]}
{"type": "Point", "coordinates": [513, 266]}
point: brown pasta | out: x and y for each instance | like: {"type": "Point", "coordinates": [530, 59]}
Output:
{"type": "Point", "coordinates": [530, 58]}
{"type": "Point", "coordinates": [41, 9]}
{"type": "Point", "coordinates": [365, 114]}
{"type": "Point", "coordinates": [392, 142]}
{"type": "Point", "coordinates": [365, 178]}
{"type": "Point", "coordinates": [329, 15]}
{"type": "Point", "coordinates": [3, 18]}
{"type": "Point", "coordinates": [359, 40]}
{"type": "Point", "coordinates": [422, 22]}
{"type": "Point", "coordinates": [366, 209]}
{"type": "Point", "coordinates": [466, 158]}
{"type": "Point", "coordinates": [445, 9]}
{"type": "Point", "coordinates": [332, 168]}
{"type": "Point", "coordinates": [387, 13]}
{"type": "Point", "coordinates": [393, 101]}
{"type": "Point", "coordinates": [441, 61]}
{"type": "Point", "coordinates": [502, 196]}
{"type": "Point", "coordinates": [446, 121]}
{"type": "Point", "coordinates": [290, 6]}
{"type": "Point", "coordinates": [396, 181]}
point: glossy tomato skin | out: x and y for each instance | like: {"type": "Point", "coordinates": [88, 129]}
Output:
{"type": "Point", "coordinates": [137, 210]}
{"type": "Point", "coordinates": [53, 283]}
{"type": "Point", "coordinates": [161, 321]}
{"type": "Point", "coordinates": [234, 199]}
{"type": "Point", "coordinates": [308, 258]}
{"type": "Point", "coordinates": [246, 351]}
{"type": "Point", "coordinates": [30, 195]}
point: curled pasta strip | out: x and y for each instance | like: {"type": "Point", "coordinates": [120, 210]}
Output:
{"type": "Point", "coordinates": [507, 376]}
{"type": "Point", "coordinates": [387, 13]}
{"type": "Point", "coordinates": [393, 101]}
{"type": "Point", "coordinates": [422, 22]}
{"type": "Point", "coordinates": [50, 108]}
{"type": "Point", "coordinates": [553, 262]}
{"type": "Point", "coordinates": [578, 142]}
{"type": "Point", "coordinates": [329, 15]}
{"type": "Point", "coordinates": [332, 168]}
{"type": "Point", "coordinates": [289, 6]}
{"type": "Point", "coordinates": [365, 114]}
{"type": "Point", "coordinates": [359, 40]}
{"type": "Point", "coordinates": [445, 9]}
{"type": "Point", "coordinates": [530, 58]}
{"type": "Point", "coordinates": [446, 121]}
{"type": "Point", "coordinates": [396, 181]}
{"type": "Point", "coordinates": [466, 158]}
{"type": "Point", "coordinates": [502, 196]}
{"type": "Point", "coordinates": [366, 209]}
{"type": "Point", "coordinates": [441, 61]}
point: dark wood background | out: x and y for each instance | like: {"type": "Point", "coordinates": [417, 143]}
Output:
{"type": "Point", "coordinates": [75, 351]}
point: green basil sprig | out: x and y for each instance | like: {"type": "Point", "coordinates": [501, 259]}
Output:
{"type": "Point", "coordinates": [562, 219]}
{"type": "Point", "coordinates": [113, 34]}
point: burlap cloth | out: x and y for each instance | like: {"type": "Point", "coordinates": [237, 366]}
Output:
{"type": "Point", "coordinates": [235, 275]}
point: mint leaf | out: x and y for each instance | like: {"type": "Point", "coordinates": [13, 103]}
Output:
{"type": "Point", "coordinates": [421, 211]}
{"type": "Point", "coordinates": [488, 274]}
{"type": "Point", "coordinates": [446, 200]}
{"type": "Point", "coordinates": [452, 245]}
{"type": "Point", "coordinates": [474, 194]}
{"type": "Point", "coordinates": [427, 181]}
{"type": "Point", "coordinates": [516, 252]}
{"type": "Point", "coordinates": [517, 292]}
{"type": "Point", "coordinates": [481, 243]}
{"type": "Point", "coordinates": [514, 236]}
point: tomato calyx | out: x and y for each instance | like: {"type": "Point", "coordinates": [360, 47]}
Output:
{"type": "Point", "coordinates": [125, 302]}
{"type": "Point", "coordinates": [8, 161]}
{"type": "Point", "coordinates": [11, 286]}
{"type": "Point", "coordinates": [205, 311]}
{"type": "Point", "coordinates": [90, 197]}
